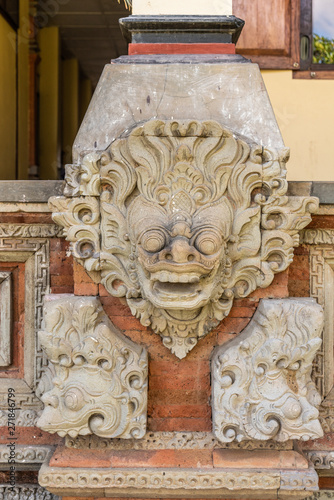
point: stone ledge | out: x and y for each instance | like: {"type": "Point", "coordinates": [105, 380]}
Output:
{"type": "Point", "coordinates": [179, 483]}
{"type": "Point", "coordinates": [41, 191]}
{"type": "Point", "coordinates": [29, 191]}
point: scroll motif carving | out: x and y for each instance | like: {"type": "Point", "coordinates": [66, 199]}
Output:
{"type": "Point", "coordinates": [172, 441]}
{"type": "Point", "coordinates": [262, 387]}
{"type": "Point", "coordinates": [191, 217]}
{"type": "Point", "coordinates": [101, 377]}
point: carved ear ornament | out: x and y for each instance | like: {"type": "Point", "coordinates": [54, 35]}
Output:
{"type": "Point", "coordinates": [132, 211]}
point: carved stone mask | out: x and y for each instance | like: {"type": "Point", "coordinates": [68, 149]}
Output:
{"type": "Point", "coordinates": [181, 218]}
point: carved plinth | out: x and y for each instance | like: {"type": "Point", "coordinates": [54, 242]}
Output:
{"type": "Point", "coordinates": [269, 475]}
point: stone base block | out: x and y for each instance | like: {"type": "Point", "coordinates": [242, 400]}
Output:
{"type": "Point", "coordinates": [227, 477]}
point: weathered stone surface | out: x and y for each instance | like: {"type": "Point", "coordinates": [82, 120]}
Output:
{"type": "Point", "coordinates": [34, 253]}
{"type": "Point", "coordinates": [29, 191]}
{"type": "Point", "coordinates": [181, 217]}
{"type": "Point", "coordinates": [101, 377]}
{"type": "Point", "coordinates": [25, 454]}
{"type": "Point", "coordinates": [172, 441]}
{"type": "Point", "coordinates": [262, 387]}
{"type": "Point", "coordinates": [127, 94]}
{"type": "Point", "coordinates": [26, 492]}
{"type": "Point", "coordinates": [179, 483]}
{"type": "Point", "coordinates": [5, 317]}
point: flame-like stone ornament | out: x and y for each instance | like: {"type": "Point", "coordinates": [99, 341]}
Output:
{"type": "Point", "coordinates": [181, 217]}
{"type": "Point", "coordinates": [100, 376]}
{"type": "Point", "coordinates": [261, 380]}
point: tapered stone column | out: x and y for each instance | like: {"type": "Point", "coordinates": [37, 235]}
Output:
{"type": "Point", "coordinates": [176, 203]}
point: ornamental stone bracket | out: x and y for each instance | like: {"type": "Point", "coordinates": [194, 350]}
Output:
{"type": "Point", "coordinates": [261, 381]}
{"type": "Point", "coordinates": [181, 217]}
{"type": "Point", "coordinates": [100, 383]}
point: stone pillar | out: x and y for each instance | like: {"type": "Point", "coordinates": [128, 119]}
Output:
{"type": "Point", "coordinates": [177, 208]}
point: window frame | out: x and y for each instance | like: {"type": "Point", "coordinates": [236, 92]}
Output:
{"type": "Point", "coordinates": [308, 69]}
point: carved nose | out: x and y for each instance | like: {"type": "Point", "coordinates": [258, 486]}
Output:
{"type": "Point", "coordinates": [181, 252]}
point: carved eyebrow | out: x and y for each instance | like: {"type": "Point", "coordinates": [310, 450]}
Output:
{"type": "Point", "coordinates": [153, 228]}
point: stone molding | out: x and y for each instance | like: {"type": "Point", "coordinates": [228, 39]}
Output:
{"type": "Point", "coordinates": [317, 236]}
{"type": "Point", "coordinates": [171, 441]}
{"type": "Point", "coordinates": [179, 483]}
{"type": "Point", "coordinates": [322, 460]}
{"type": "Point", "coordinates": [261, 381]}
{"type": "Point", "coordinates": [168, 218]}
{"type": "Point", "coordinates": [30, 231]}
{"type": "Point", "coordinates": [26, 454]}
{"type": "Point", "coordinates": [26, 492]}
{"type": "Point", "coordinates": [322, 289]}
{"type": "Point", "coordinates": [34, 252]}
{"type": "Point", "coordinates": [100, 383]}
{"type": "Point", "coordinates": [321, 495]}
{"type": "Point", "coordinates": [5, 317]}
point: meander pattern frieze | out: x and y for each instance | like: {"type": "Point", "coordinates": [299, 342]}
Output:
{"type": "Point", "coordinates": [321, 288]}
{"type": "Point", "coordinates": [35, 251]}
{"type": "Point", "coordinates": [180, 218]}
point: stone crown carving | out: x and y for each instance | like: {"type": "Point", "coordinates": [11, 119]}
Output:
{"type": "Point", "coordinates": [100, 384]}
{"type": "Point", "coordinates": [181, 217]}
{"type": "Point", "coordinates": [262, 387]}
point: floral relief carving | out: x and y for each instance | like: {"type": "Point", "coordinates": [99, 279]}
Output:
{"type": "Point", "coordinates": [262, 387]}
{"type": "Point", "coordinates": [181, 217]}
{"type": "Point", "coordinates": [100, 384]}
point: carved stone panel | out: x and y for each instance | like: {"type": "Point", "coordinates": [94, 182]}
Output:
{"type": "Point", "coordinates": [100, 385]}
{"type": "Point", "coordinates": [322, 289]}
{"type": "Point", "coordinates": [5, 317]}
{"type": "Point", "coordinates": [34, 254]}
{"type": "Point", "coordinates": [181, 217]}
{"type": "Point", "coordinates": [262, 387]}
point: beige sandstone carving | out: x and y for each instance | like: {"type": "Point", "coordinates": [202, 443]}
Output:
{"type": "Point", "coordinates": [181, 217]}
{"type": "Point", "coordinates": [101, 377]}
{"type": "Point", "coordinates": [262, 387]}
{"type": "Point", "coordinates": [180, 483]}
{"type": "Point", "coordinates": [162, 440]}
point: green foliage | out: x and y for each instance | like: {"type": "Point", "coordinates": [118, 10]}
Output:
{"type": "Point", "coordinates": [323, 50]}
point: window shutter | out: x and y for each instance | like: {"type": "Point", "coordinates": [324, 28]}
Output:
{"type": "Point", "coordinates": [271, 33]}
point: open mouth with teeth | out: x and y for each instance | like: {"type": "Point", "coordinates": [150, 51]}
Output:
{"type": "Point", "coordinates": [176, 291]}
{"type": "Point", "coordinates": [176, 286]}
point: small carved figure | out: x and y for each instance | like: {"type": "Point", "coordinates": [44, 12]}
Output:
{"type": "Point", "coordinates": [262, 387]}
{"type": "Point", "coordinates": [100, 383]}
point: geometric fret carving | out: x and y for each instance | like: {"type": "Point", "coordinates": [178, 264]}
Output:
{"type": "Point", "coordinates": [5, 317]}
{"type": "Point", "coordinates": [34, 253]}
{"type": "Point", "coordinates": [322, 289]}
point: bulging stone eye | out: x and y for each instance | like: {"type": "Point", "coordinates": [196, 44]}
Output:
{"type": "Point", "coordinates": [208, 242]}
{"type": "Point", "coordinates": [153, 240]}
{"type": "Point", "coordinates": [74, 399]}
